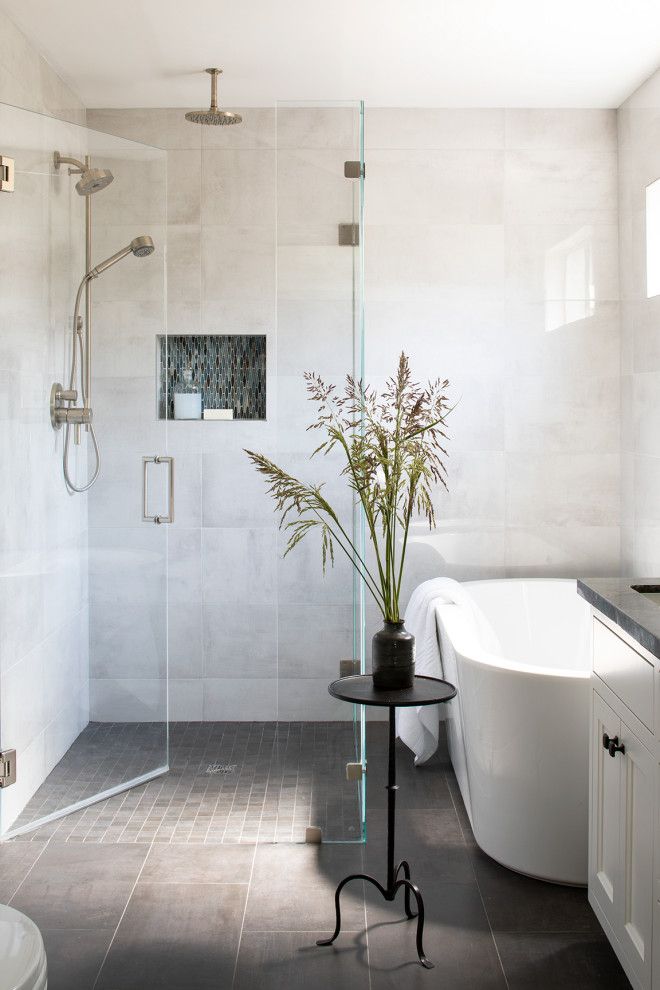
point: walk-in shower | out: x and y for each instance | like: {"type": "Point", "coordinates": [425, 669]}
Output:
{"type": "Point", "coordinates": [64, 408]}
{"type": "Point", "coordinates": [129, 648]}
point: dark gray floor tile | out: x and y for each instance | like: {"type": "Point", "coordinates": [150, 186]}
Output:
{"type": "Point", "coordinates": [176, 937]}
{"type": "Point", "coordinates": [457, 940]}
{"type": "Point", "coordinates": [515, 903]}
{"type": "Point", "coordinates": [558, 962]}
{"type": "Point", "coordinates": [303, 861]}
{"type": "Point", "coordinates": [419, 786]}
{"type": "Point", "coordinates": [293, 888]}
{"type": "Point", "coordinates": [461, 810]}
{"type": "Point", "coordinates": [292, 961]}
{"type": "Point", "coordinates": [75, 957]}
{"type": "Point", "coordinates": [16, 860]}
{"type": "Point", "coordinates": [73, 904]}
{"type": "Point", "coordinates": [79, 862]}
{"type": "Point", "coordinates": [198, 864]}
{"type": "Point", "coordinates": [432, 842]}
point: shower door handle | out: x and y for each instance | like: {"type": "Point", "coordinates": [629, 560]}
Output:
{"type": "Point", "coordinates": [158, 459]}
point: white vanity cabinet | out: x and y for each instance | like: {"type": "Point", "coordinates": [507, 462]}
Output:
{"type": "Point", "coordinates": [624, 874]}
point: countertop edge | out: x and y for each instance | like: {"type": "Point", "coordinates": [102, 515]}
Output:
{"type": "Point", "coordinates": [617, 614]}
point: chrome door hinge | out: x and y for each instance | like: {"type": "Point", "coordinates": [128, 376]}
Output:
{"type": "Point", "coordinates": [6, 174]}
{"type": "Point", "coordinates": [355, 170]}
{"type": "Point", "coordinates": [355, 771]}
{"type": "Point", "coordinates": [7, 767]}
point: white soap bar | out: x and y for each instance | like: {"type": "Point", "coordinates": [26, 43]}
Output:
{"type": "Point", "coordinates": [187, 405]}
{"type": "Point", "coordinates": [218, 414]}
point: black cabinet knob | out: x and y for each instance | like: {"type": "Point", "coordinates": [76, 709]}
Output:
{"type": "Point", "coordinates": [611, 744]}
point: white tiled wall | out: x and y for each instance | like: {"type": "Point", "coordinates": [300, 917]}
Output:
{"type": "Point", "coordinates": [474, 220]}
{"type": "Point", "coordinates": [468, 213]}
{"type": "Point", "coordinates": [43, 532]}
{"type": "Point", "coordinates": [252, 249]}
{"type": "Point", "coordinates": [28, 81]}
{"type": "Point", "coordinates": [639, 165]}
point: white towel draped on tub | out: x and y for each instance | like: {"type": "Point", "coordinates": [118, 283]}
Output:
{"type": "Point", "coordinates": [418, 727]}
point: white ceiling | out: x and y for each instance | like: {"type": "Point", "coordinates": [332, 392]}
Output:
{"type": "Point", "coordinates": [137, 53]}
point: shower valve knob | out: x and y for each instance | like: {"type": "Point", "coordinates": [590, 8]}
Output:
{"type": "Point", "coordinates": [77, 415]}
{"type": "Point", "coordinates": [61, 413]}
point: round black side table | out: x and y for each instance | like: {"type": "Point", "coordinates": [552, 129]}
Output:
{"type": "Point", "coordinates": [360, 690]}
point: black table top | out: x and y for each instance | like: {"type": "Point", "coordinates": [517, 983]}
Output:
{"type": "Point", "coordinates": [359, 688]}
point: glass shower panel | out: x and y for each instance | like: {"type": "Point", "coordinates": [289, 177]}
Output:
{"type": "Point", "coordinates": [83, 654]}
{"type": "Point", "coordinates": [320, 195]}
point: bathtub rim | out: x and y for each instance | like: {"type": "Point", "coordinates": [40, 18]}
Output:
{"type": "Point", "coordinates": [463, 637]}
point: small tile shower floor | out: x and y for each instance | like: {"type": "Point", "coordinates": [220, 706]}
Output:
{"type": "Point", "coordinates": [228, 782]}
{"type": "Point", "coordinates": [246, 916]}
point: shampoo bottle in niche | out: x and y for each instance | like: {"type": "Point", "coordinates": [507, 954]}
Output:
{"type": "Point", "coordinates": [187, 398]}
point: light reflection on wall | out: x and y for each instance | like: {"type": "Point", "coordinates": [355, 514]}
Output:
{"type": "Point", "coordinates": [570, 293]}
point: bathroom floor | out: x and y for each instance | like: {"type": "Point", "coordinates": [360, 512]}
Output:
{"type": "Point", "coordinates": [143, 914]}
{"type": "Point", "coordinates": [228, 782]}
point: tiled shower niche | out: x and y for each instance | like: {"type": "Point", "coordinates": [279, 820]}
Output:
{"type": "Point", "coordinates": [229, 369]}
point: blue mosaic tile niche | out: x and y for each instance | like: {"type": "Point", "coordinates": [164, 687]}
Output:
{"type": "Point", "coordinates": [230, 370]}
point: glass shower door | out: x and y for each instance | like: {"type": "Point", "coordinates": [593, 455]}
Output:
{"type": "Point", "coordinates": [320, 329]}
{"type": "Point", "coordinates": [83, 649]}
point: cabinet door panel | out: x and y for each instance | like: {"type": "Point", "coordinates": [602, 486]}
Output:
{"type": "Point", "coordinates": [605, 844]}
{"type": "Point", "coordinates": [637, 802]}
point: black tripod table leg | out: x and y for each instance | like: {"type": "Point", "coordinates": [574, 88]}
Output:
{"type": "Point", "coordinates": [340, 887]}
{"type": "Point", "coordinates": [410, 886]}
{"type": "Point", "coordinates": [405, 866]}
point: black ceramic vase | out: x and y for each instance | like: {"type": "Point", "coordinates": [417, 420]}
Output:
{"type": "Point", "coordinates": [393, 657]}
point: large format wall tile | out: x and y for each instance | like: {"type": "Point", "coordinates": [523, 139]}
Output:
{"type": "Point", "coordinates": [238, 188]}
{"type": "Point", "coordinates": [240, 640]}
{"type": "Point", "coordinates": [446, 187]}
{"type": "Point", "coordinates": [561, 186]}
{"type": "Point", "coordinates": [239, 565]}
{"type": "Point", "coordinates": [434, 129]}
{"type": "Point", "coordinates": [639, 164]}
{"type": "Point", "coordinates": [533, 130]}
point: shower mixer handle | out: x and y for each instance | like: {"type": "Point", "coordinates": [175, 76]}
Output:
{"type": "Point", "coordinates": [78, 415]}
{"type": "Point", "coordinates": [61, 413]}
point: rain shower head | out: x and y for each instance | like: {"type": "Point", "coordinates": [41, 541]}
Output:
{"type": "Point", "coordinates": [92, 180]}
{"type": "Point", "coordinates": [140, 247]}
{"type": "Point", "coordinates": [213, 115]}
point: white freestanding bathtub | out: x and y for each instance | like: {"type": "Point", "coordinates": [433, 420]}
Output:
{"type": "Point", "coordinates": [518, 729]}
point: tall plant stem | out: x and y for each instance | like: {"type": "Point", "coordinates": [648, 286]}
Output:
{"type": "Point", "coordinates": [363, 570]}
{"type": "Point", "coordinates": [359, 488]}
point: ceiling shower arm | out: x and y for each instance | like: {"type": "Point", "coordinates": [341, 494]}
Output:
{"type": "Point", "coordinates": [214, 73]}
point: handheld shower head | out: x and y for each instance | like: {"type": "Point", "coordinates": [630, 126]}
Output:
{"type": "Point", "coordinates": [140, 247]}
